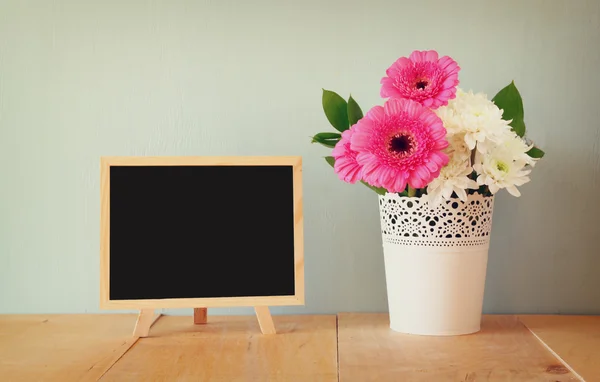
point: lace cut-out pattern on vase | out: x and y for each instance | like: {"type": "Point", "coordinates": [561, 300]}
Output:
{"type": "Point", "coordinates": [411, 221]}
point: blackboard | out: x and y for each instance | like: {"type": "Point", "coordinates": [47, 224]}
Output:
{"type": "Point", "coordinates": [201, 231]}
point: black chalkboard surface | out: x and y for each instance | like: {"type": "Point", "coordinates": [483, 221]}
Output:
{"type": "Point", "coordinates": [204, 230]}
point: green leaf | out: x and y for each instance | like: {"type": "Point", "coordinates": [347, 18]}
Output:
{"type": "Point", "coordinates": [379, 191]}
{"type": "Point", "coordinates": [354, 112]}
{"type": "Point", "coordinates": [518, 126]}
{"type": "Point", "coordinates": [327, 139]}
{"type": "Point", "coordinates": [336, 110]}
{"type": "Point", "coordinates": [327, 136]}
{"type": "Point", "coordinates": [327, 143]}
{"type": "Point", "coordinates": [536, 153]}
{"type": "Point", "coordinates": [330, 160]}
{"type": "Point", "coordinates": [510, 101]}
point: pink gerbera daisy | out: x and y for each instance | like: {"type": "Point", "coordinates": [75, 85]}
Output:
{"type": "Point", "coordinates": [400, 143]}
{"type": "Point", "coordinates": [345, 165]}
{"type": "Point", "coordinates": [423, 78]}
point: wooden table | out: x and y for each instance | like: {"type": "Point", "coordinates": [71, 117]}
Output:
{"type": "Point", "coordinates": [351, 347]}
{"type": "Point", "coordinates": [504, 350]}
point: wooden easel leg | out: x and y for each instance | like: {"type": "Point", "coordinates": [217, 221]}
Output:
{"type": "Point", "coordinates": [144, 321]}
{"type": "Point", "coordinates": [265, 320]}
{"type": "Point", "coordinates": [200, 316]}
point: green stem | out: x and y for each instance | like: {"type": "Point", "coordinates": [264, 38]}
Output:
{"type": "Point", "coordinates": [411, 192]}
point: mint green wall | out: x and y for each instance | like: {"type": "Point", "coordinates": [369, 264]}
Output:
{"type": "Point", "coordinates": [82, 79]}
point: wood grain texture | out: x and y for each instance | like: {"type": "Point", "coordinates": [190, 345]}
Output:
{"type": "Point", "coordinates": [574, 339]}
{"type": "Point", "coordinates": [232, 349]}
{"type": "Point", "coordinates": [504, 350]}
{"type": "Point", "coordinates": [298, 232]}
{"type": "Point", "coordinates": [202, 160]}
{"type": "Point", "coordinates": [108, 161]}
{"type": "Point", "coordinates": [224, 302]}
{"type": "Point", "coordinates": [104, 231]}
{"type": "Point", "coordinates": [62, 347]}
{"type": "Point", "coordinates": [265, 320]}
{"type": "Point", "coordinates": [200, 316]}
{"type": "Point", "coordinates": [145, 320]}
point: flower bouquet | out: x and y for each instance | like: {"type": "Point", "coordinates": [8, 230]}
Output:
{"type": "Point", "coordinates": [436, 155]}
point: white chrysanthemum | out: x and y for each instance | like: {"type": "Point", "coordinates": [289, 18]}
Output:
{"type": "Point", "coordinates": [518, 146]}
{"type": "Point", "coordinates": [475, 117]}
{"type": "Point", "coordinates": [454, 177]}
{"type": "Point", "coordinates": [457, 147]}
{"type": "Point", "coordinates": [505, 165]}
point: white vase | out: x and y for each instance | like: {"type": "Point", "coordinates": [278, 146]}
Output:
{"type": "Point", "coordinates": [435, 262]}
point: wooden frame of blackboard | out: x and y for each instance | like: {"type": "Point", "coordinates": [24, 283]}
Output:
{"type": "Point", "coordinates": [147, 305]}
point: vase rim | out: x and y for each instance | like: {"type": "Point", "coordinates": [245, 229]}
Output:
{"type": "Point", "coordinates": [425, 196]}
